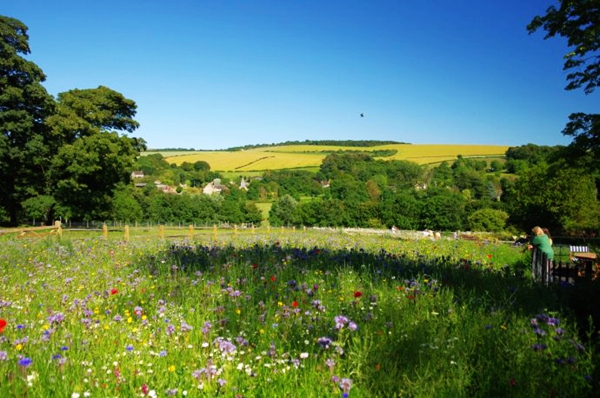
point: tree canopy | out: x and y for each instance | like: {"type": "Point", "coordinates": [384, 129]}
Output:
{"type": "Point", "coordinates": [65, 154]}
{"type": "Point", "coordinates": [578, 21]}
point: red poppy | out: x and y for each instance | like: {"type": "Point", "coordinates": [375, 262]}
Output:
{"type": "Point", "coordinates": [357, 294]}
{"type": "Point", "coordinates": [2, 325]}
{"type": "Point", "coordinates": [254, 266]}
{"type": "Point", "coordinates": [294, 304]}
{"type": "Point", "coordinates": [490, 256]}
{"type": "Point", "coordinates": [273, 278]}
{"type": "Point", "coordinates": [113, 291]}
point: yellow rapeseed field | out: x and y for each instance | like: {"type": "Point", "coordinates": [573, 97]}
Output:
{"type": "Point", "coordinates": [297, 156]}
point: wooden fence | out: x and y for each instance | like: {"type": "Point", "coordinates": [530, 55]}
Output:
{"type": "Point", "coordinates": [547, 271]}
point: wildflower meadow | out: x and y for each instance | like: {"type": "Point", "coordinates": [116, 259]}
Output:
{"type": "Point", "coordinates": [310, 314]}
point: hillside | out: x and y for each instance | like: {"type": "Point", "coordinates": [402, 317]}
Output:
{"type": "Point", "coordinates": [302, 156]}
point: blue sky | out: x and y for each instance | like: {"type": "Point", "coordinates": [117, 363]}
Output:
{"type": "Point", "coordinates": [213, 74]}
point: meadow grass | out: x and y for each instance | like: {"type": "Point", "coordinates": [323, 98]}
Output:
{"type": "Point", "coordinates": [305, 156]}
{"type": "Point", "coordinates": [309, 314]}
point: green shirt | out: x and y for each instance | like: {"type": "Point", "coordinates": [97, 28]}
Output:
{"type": "Point", "coordinates": [542, 242]}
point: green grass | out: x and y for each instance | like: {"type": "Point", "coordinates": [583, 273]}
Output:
{"type": "Point", "coordinates": [308, 314]}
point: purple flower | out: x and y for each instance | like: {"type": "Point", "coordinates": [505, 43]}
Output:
{"type": "Point", "coordinates": [345, 384]}
{"type": "Point", "coordinates": [129, 347]}
{"type": "Point", "coordinates": [25, 362]}
{"type": "Point", "coordinates": [163, 353]}
{"type": "Point", "coordinates": [352, 326]}
{"type": "Point", "coordinates": [3, 356]}
{"type": "Point", "coordinates": [170, 329]}
{"type": "Point", "coordinates": [57, 317]}
{"type": "Point", "coordinates": [340, 321]}
{"type": "Point", "coordinates": [539, 347]}
{"type": "Point", "coordinates": [206, 327]}
{"type": "Point", "coordinates": [324, 342]}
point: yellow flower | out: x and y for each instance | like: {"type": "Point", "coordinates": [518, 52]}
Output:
{"type": "Point", "coordinates": [279, 303]}
{"type": "Point", "coordinates": [106, 327]}
{"type": "Point", "coordinates": [19, 347]}
{"type": "Point", "coordinates": [172, 368]}
{"type": "Point", "coordinates": [503, 327]}
{"type": "Point", "coordinates": [144, 317]}
{"type": "Point", "coordinates": [238, 311]}
{"type": "Point", "coordinates": [129, 320]}
{"type": "Point", "coordinates": [261, 331]}
{"type": "Point", "coordinates": [46, 327]}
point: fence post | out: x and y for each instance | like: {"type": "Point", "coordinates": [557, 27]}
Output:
{"type": "Point", "coordinates": [215, 231]}
{"type": "Point", "coordinates": [161, 231]}
{"type": "Point", "coordinates": [58, 228]}
{"type": "Point", "coordinates": [191, 234]}
{"type": "Point", "coordinates": [294, 228]}
{"type": "Point", "coordinates": [104, 231]}
{"type": "Point", "coordinates": [127, 233]}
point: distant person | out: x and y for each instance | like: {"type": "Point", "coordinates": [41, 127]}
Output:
{"type": "Point", "coordinates": [547, 233]}
{"type": "Point", "coordinates": [542, 242]}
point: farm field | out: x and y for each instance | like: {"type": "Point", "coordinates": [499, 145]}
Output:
{"type": "Point", "coordinates": [301, 156]}
{"type": "Point", "coordinates": [310, 314]}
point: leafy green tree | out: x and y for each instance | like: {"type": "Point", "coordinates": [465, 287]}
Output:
{"type": "Point", "coordinates": [400, 209]}
{"type": "Point", "coordinates": [283, 211]}
{"type": "Point", "coordinates": [93, 158]}
{"type": "Point", "coordinates": [443, 210]}
{"type": "Point", "coordinates": [252, 214]}
{"type": "Point", "coordinates": [39, 207]}
{"type": "Point", "coordinates": [488, 220]}
{"type": "Point", "coordinates": [25, 140]}
{"type": "Point", "coordinates": [578, 21]}
{"type": "Point", "coordinates": [559, 197]}
{"type": "Point", "coordinates": [125, 207]}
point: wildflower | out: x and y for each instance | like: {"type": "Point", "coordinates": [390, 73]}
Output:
{"type": "Point", "coordinates": [345, 384]}
{"type": "Point", "coordinates": [172, 368]}
{"type": "Point", "coordinates": [145, 389]}
{"type": "Point", "coordinates": [113, 291]}
{"type": "Point", "coordinates": [340, 321]}
{"type": "Point", "coordinates": [129, 347]}
{"type": "Point", "coordinates": [294, 304]}
{"type": "Point", "coordinates": [357, 294]}
{"type": "Point", "coordinates": [25, 362]}
{"type": "Point", "coordinates": [3, 356]}
{"type": "Point", "coordinates": [324, 342]}
{"type": "Point", "coordinates": [2, 325]}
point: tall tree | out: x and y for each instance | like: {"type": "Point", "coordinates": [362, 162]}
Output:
{"type": "Point", "coordinates": [24, 106]}
{"type": "Point", "coordinates": [579, 22]}
{"type": "Point", "coordinates": [93, 157]}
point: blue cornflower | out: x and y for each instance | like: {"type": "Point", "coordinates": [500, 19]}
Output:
{"type": "Point", "coordinates": [25, 362]}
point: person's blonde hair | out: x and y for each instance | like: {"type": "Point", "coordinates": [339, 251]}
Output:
{"type": "Point", "coordinates": [537, 231]}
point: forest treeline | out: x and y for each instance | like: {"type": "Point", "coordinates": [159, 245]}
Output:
{"type": "Point", "coordinates": [532, 185]}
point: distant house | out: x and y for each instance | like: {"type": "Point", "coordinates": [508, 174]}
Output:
{"type": "Point", "coordinates": [137, 174]}
{"type": "Point", "coordinates": [244, 184]}
{"type": "Point", "coordinates": [214, 187]}
{"type": "Point", "coordinates": [325, 184]}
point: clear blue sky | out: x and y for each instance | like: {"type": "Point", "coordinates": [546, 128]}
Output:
{"type": "Point", "coordinates": [212, 74]}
